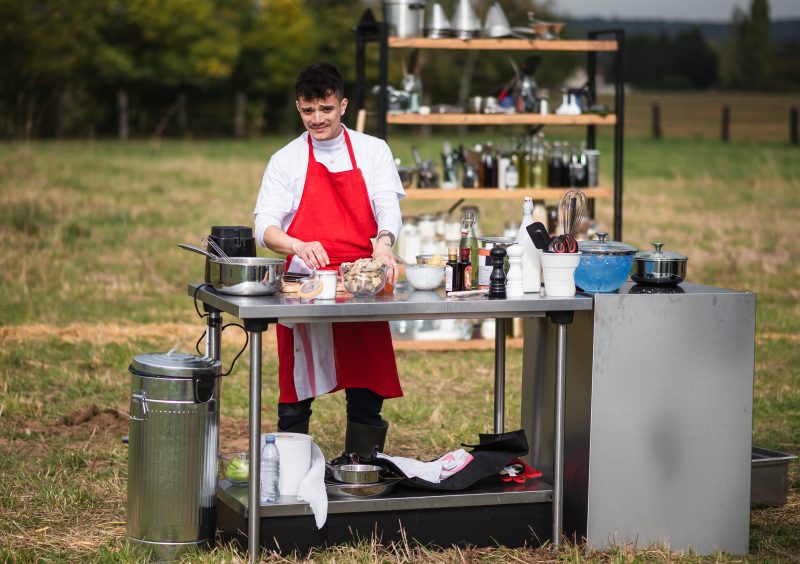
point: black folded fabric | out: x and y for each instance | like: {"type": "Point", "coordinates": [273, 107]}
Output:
{"type": "Point", "coordinates": [492, 453]}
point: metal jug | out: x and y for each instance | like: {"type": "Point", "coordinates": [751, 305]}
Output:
{"type": "Point", "coordinates": [172, 452]}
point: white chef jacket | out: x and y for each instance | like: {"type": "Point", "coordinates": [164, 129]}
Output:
{"type": "Point", "coordinates": [285, 176]}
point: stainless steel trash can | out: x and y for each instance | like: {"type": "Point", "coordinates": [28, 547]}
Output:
{"type": "Point", "coordinates": [172, 452]}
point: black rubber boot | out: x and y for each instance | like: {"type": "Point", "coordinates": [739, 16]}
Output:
{"type": "Point", "coordinates": [364, 439]}
{"type": "Point", "coordinates": [299, 428]}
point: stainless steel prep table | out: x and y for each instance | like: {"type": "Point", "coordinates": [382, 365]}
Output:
{"type": "Point", "coordinates": [258, 313]}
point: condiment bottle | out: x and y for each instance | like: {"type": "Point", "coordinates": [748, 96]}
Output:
{"type": "Point", "coordinates": [531, 262]}
{"type": "Point", "coordinates": [451, 273]}
{"type": "Point", "coordinates": [464, 262]}
{"type": "Point", "coordinates": [470, 241]}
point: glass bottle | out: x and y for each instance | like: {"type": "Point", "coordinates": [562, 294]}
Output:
{"type": "Point", "coordinates": [554, 166]}
{"type": "Point", "coordinates": [464, 262]}
{"type": "Point", "coordinates": [452, 274]}
{"type": "Point", "coordinates": [469, 240]}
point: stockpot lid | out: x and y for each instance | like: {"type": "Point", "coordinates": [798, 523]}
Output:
{"type": "Point", "coordinates": [658, 255]}
{"type": "Point", "coordinates": [176, 365]}
{"type": "Point", "coordinates": [603, 247]}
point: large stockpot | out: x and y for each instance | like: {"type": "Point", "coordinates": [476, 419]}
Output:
{"type": "Point", "coordinates": [659, 268]}
{"type": "Point", "coordinates": [404, 17]}
{"type": "Point", "coordinates": [242, 276]}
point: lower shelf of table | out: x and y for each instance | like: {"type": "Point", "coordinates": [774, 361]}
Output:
{"type": "Point", "coordinates": [400, 499]}
{"type": "Point", "coordinates": [512, 516]}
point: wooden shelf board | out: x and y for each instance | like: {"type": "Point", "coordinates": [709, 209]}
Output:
{"type": "Point", "coordinates": [488, 44]}
{"type": "Point", "coordinates": [495, 194]}
{"type": "Point", "coordinates": [471, 345]}
{"type": "Point", "coordinates": [500, 119]}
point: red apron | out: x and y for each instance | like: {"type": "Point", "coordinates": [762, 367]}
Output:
{"type": "Point", "coordinates": [335, 210]}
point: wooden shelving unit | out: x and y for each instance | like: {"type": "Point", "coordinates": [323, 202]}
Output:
{"type": "Point", "coordinates": [499, 119]}
{"type": "Point", "coordinates": [485, 44]}
{"type": "Point", "coordinates": [369, 30]}
{"type": "Point", "coordinates": [495, 194]}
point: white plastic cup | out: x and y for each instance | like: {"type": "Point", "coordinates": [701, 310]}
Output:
{"type": "Point", "coordinates": [328, 280]}
{"type": "Point", "coordinates": [559, 273]}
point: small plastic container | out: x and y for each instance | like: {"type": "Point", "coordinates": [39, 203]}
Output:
{"type": "Point", "coordinates": [328, 279]}
{"type": "Point", "coordinates": [559, 273]}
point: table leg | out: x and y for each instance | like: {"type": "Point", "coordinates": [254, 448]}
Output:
{"type": "Point", "coordinates": [558, 462]}
{"type": "Point", "coordinates": [253, 517]}
{"type": "Point", "coordinates": [213, 334]}
{"type": "Point", "coordinates": [499, 374]}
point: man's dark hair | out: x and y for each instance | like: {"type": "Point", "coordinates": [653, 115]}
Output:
{"type": "Point", "coordinates": [318, 81]}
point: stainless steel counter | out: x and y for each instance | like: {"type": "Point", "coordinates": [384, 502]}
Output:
{"type": "Point", "coordinates": [258, 312]}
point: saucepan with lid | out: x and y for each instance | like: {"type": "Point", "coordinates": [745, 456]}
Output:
{"type": "Point", "coordinates": [659, 268]}
{"type": "Point", "coordinates": [242, 276]}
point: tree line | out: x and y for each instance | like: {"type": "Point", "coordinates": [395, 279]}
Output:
{"type": "Point", "coordinates": [137, 68]}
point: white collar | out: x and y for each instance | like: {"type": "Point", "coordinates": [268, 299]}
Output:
{"type": "Point", "coordinates": [329, 144]}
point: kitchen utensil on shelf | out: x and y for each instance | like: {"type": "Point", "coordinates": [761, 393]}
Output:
{"type": "Point", "coordinates": [465, 22]}
{"type": "Point", "coordinates": [243, 276]}
{"type": "Point", "coordinates": [539, 235]}
{"type": "Point", "coordinates": [571, 211]}
{"type": "Point", "coordinates": [437, 25]}
{"type": "Point", "coordinates": [543, 29]}
{"type": "Point", "coordinates": [234, 467]}
{"type": "Point", "coordinates": [404, 17]}
{"type": "Point", "coordinates": [659, 268]}
{"type": "Point", "coordinates": [604, 266]}
{"type": "Point", "coordinates": [496, 23]}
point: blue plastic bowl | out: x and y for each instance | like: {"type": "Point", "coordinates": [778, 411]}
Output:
{"type": "Point", "coordinates": [603, 273]}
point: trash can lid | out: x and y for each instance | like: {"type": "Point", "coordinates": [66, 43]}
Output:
{"type": "Point", "coordinates": [176, 364]}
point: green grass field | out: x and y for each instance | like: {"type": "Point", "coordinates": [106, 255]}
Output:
{"type": "Point", "coordinates": [91, 276]}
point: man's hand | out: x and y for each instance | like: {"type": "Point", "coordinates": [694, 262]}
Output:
{"type": "Point", "coordinates": [382, 247]}
{"type": "Point", "coordinates": [312, 253]}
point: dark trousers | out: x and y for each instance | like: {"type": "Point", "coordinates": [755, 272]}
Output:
{"type": "Point", "coordinates": [363, 406]}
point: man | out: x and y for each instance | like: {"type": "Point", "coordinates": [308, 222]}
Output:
{"type": "Point", "coordinates": [328, 197]}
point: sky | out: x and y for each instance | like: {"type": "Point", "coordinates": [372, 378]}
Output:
{"type": "Point", "coordinates": [698, 10]}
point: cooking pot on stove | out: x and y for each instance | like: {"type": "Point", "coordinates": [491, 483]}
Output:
{"type": "Point", "coordinates": [659, 268]}
{"type": "Point", "coordinates": [242, 276]}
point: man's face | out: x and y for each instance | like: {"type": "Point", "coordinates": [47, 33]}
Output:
{"type": "Point", "coordinates": [322, 118]}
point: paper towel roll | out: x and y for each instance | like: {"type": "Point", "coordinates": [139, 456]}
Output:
{"type": "Point", "coordinates": [295, 451]}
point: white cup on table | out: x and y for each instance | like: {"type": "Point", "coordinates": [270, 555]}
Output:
{"type": "Point", "coordinates": [559, 273]}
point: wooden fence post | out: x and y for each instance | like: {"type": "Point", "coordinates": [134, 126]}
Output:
{"type": "Point", "coordinates": [656, 118]}
{"type": "Point", "coordinates": [794, 138]}
{"type": "Point", "coordinates": [726, 123]}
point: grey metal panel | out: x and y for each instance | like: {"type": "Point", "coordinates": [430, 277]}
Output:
{"type": "Point", "coordinates": [400, 305]}
{"type": "Point", "coordinates": [671, 420]}
{"type": "Point", "coordinates": [535, 491]}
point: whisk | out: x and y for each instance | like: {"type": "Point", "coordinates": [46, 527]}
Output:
{"type": "Point", "coordinates": [572, 209]}
{"type": "Point", "coordinates": [217, 249]}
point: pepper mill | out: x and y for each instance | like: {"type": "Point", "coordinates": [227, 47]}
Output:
{"type": "Point", "coordinates": [514, 276]}
{"type": "Point", "coordinates": [497, 280]}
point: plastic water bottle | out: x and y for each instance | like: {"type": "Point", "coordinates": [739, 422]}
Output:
{"type": "Point", "coordinates": [270, 470]}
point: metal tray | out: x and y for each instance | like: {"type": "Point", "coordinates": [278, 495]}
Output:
{"type": "Point", "coordinates": [769, 479]}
